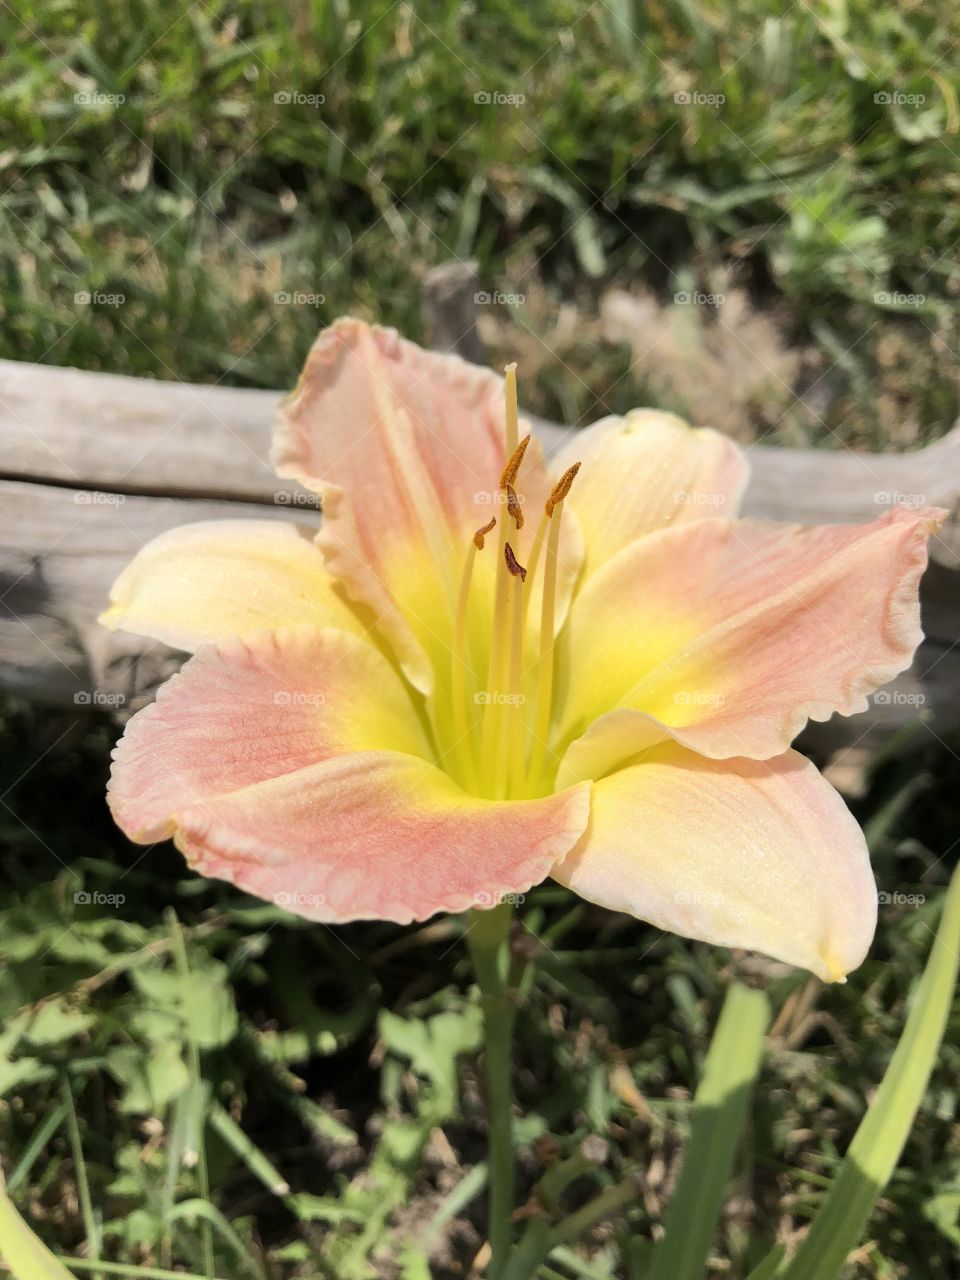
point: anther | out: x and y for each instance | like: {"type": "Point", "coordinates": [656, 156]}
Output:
{"type": "Point", "coordinates": [561, 488]}
{"type": "Point", "coordinates": [513, 506]}
{"type": "Point", "coordinates": [509, 473]}
{"type": "Point", "coordinates": [479, 536]}
{"type": "Point", "coordinates": [513, 564]}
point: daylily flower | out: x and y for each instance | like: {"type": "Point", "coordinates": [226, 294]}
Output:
{"type": "Point", "coordinates": [479, 674]}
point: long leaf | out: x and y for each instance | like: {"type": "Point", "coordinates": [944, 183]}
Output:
{"type": "Point", "coordinates": [769, 1267]}
{"type": "Point", "coordinates": [730, 1071]}
{"type": "Point", "coordinates": [873, 1154]}
{"type": "Point", "coordinates": [25, 1254]}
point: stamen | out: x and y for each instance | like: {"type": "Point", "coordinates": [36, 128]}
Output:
{"type": "Point", "coordinates": [516, 719]}
{"type": "Point", "coordinates": [480, 535]}
{"type": "Point", "coordinates": [513, 564]}
{"type": "Point", "coordinates": [459, 661]}
{"type": "Point", "coordinates": [500, 640]}
{"type": "Point", "coordinates": [533, 560]}
{"type": "Point", "coordinates": [497, 764]}
{"type": "Point", "coordinates": [509, 474]}
{"type": "Point", "coordinates": [545, 661]}
{"type": "Point", "coordinates": [561, 488]}
{"type": "Point", "coordinates": [513, 506]}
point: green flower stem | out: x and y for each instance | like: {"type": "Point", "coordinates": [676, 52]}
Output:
{"type": "Point", "coordinates": [487, 934]}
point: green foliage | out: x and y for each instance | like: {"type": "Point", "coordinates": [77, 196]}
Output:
{"type": "Point", "coordinates": [873, 1154]}
{"type": "Point", "coordinates": [730, 1071]}
{"type": "Point", "coordinates": [200, 162]}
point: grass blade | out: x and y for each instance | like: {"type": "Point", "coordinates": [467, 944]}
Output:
{"type": "Point", "coordinates": [769, 1267]}
{"type": "Point", "coordinates": [91, 1225]}
{"type": "Point", "coordinates": [247, 1150]}
{"type": "Point", "coordinates": [129, 1269]}
{"type": "Point", "coordinates": [873, 1154]}
{"type": "Point", "coordinates": [197, 1092]}
{"type": "Point", "coordinates": [36, 1144]}
{"type": "Point", "coordinates": [730, 1070]}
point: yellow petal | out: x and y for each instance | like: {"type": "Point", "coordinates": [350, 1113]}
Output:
{"type": "Point", "coordinates": [740, 853]}
{"type": "Point", "coordinates": [644, 472]}
{"type": "Point", "coordinates": [203, 582]}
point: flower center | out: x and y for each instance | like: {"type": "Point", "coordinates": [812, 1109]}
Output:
{"type": "Point", "coordinates": [501, 735]}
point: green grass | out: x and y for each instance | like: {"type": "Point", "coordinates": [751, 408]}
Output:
{"type": "Point", "coordinates": [199, 197]}
{"type": "Point", "coordinates": [265, 1095]}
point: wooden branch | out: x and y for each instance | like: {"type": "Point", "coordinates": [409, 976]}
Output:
{"type": "Point", "coordinates": [93, 465]}
{"type": "Point", "coordinates": [62, 550]}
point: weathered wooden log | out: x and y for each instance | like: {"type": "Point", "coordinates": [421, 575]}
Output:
{"type": "Point", "coordinates": [93, 465]}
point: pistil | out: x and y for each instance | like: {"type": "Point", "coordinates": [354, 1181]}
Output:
{"type": "Point", "coordinates": [512, 426]}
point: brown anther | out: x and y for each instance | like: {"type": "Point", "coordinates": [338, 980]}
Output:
{"type": "Point", "coordinates": [509, 473]}
{"type": "Point", "coordinates": [561, 488]}
{"type": "Point", "coordinates": [513, 564]}
{"type": "Point", "coordinates": [479, 536]}
{"type": "Point", "coordinates": [513, 506]}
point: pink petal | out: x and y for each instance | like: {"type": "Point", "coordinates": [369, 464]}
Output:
{"type": "Point", "coordinates": [294, 765]}
{"type": "Point", "coordinates": [739, 853]}
{"type": "Point", "coordinates": [378, 836]}
{"type": "Point", "coordinates": [644, 472]}
{"type": "Point", "coordinates": [406, 448]}
{"type": "Point", "coordinates": [729, 635]}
